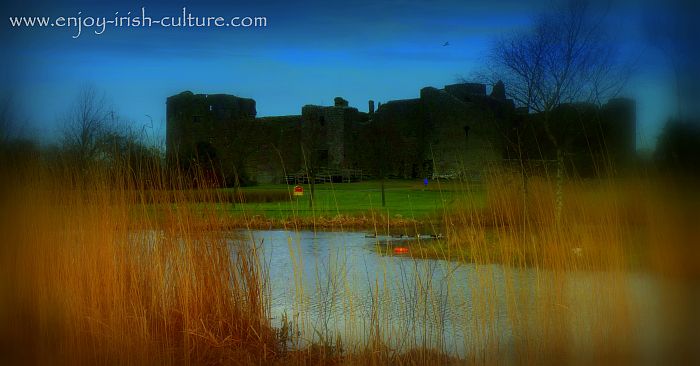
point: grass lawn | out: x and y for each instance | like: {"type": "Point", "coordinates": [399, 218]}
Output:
{"type": "Point", "coordinates": [409, 199]}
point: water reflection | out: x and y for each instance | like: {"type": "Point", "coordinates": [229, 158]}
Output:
{"type": "Point", "coordinates": [333, 284]}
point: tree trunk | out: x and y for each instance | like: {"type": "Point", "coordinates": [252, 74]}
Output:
{"type": "Point", "coordinates": [383, 195]}
{"type": "Point", "coordinates": [312, 182]}
{"type": "Point", "coordinates": [559, 194]}
{"type": "Point", "coordinates": [559, 184]}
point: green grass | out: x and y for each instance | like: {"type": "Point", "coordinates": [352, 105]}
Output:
{"type": "Point", "coordinates": [407, 199]}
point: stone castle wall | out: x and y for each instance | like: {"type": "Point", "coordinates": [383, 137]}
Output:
{"type": "Point", "coordinates": [595, 140]}
{"type": "Point", "coordinates": [458, 131]}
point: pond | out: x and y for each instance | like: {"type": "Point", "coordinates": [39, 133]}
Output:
{"type": "Point", "coordinates": [340, 284]}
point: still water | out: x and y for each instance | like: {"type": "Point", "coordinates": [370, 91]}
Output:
{"type": "Point", "coordinates": [342, 284]}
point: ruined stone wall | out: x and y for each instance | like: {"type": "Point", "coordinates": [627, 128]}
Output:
{"type": "Point", "coordinates": [464, 91]}
{"type": "Point", "coordinates": [357, 146]}
{"type": "Point", "coordinates": [443, 133]}
{"type": "Point", "coordinates": [595, 140]}
{"type": "Point", "coordinates": [355, 143]}
{"type": "Point", "coordinates": [213, 132]}
{"type": "Point", "coordinates": [335, 135]}
{"type": "Point", "coordinates": [465, 135]}
{"type": "Point", "coordinates": [456, 131]}
{"type": "Point", "coordinates": [278, 152]}
{"type": "Point", "coordinates": [193, 118]}
{"type": "Point", "coordinates": [314, 146]}
{"type": "Point", "coordinates": [419, 135]}
{"type": "Point", "coordinates": [398, 137]}
{"type": "Point", "coordinates": [220, 134]}
{"type": "Point", "coordinates": [330, 134]}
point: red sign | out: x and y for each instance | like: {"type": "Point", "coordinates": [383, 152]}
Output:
{"type": "Point", "coordinates": [298, 191]}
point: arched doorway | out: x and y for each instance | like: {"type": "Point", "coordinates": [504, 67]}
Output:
{"type": "Point", "coordinates": [208, 164]}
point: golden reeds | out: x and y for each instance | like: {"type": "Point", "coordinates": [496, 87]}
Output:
{"type": "Point", "coordinates": [93, 274]}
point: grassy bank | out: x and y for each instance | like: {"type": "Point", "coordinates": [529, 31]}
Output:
{"type": "Point", "coordinates": [406, 199]}
{"type": "Point", "coordinates": [356, 206]}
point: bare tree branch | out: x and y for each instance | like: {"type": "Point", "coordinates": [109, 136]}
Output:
{"type": "Point", "coordinates": [84, 124]}
{"type": "Point", "coordinates": [565, 57]}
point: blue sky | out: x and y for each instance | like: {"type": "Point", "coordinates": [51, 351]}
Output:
{"type": "Point", "coordinates": [310, 52]}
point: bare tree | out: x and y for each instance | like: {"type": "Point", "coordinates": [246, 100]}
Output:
{"type": "Point", "coordinates": [84, 125]}
{"type": "Point", "coordinates": [566, 56]}
{"type": "Point", "coordinates": [95, 135]}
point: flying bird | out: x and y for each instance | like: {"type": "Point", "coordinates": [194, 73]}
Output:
{"type": "Point", "coordinates": [445, 44]}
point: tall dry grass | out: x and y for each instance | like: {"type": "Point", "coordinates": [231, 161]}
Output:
{"type": "Point", "coordinates": [633, 244]}
{"type": "Point", "coordinates": [91, 277]}
{"type": "Point", "coordinates": [92, 274]}
{"type": "Point", "coordinates": [627, 223]}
